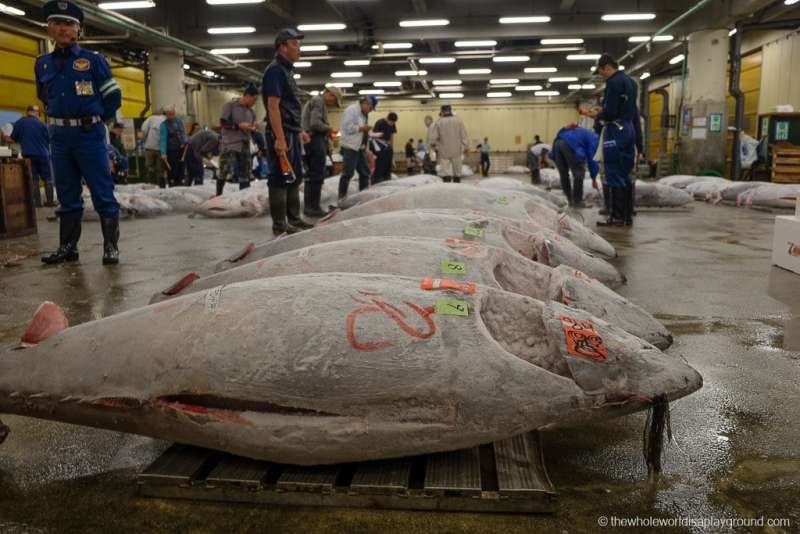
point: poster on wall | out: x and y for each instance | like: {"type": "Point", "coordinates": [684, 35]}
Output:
{"type": "Point", "coordinates": [715, 122]}
{"type": "Point", "coordinates": [782, 130]}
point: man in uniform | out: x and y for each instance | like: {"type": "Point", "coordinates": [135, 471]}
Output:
{"type": "Point", "coordinates": [32, 135]}
{"type": "Point", "coordinates": [315, 124]}
{"type": "Point", "coordinates": [79, 94]}
{"type": "Point", "coordinates": [621, 135]}
{"type": "Point", "coordinates": [238, 122]}
{"type": "Point", "coordinates": [284, 135]}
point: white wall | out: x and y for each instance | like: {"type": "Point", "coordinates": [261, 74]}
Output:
{"type": "Point", "coordinates": [510, 125]}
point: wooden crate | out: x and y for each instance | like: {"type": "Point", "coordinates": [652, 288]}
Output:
{"type": "Point", "coordinates": [786, 165]}
{"type": "Point", "coordinates": [17, 211]}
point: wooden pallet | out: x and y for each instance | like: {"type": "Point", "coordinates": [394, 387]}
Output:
{"type": "Point", "coordinates": [503, 477]}
{"type": "Point", "coordinates": [786, 165]}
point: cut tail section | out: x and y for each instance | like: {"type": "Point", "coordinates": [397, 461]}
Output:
{"type": "Point", "coordinates": [48, 321]}
{"type": "Point", "coordinates": [180, 285]}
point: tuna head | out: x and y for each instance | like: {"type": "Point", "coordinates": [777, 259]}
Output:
{"type": "Point", "coordinates": [336, 367]}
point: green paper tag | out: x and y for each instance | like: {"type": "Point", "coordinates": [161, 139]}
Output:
{"type": "Point", "coordinates": [453, 267]}
{"type": "Point", "coordinates": [502, 200]}
{"type": "Point", "coordinates": [452, 307]}
{"type": "Point", "coordinates": [473, 232]}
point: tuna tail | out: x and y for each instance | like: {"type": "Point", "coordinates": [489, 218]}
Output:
{"type": "Point", "coordinates": [657, 423]}
{"type": "Point", "coordinates": [48, 321]}
{"type": "Point", "coordinates": [176, 288]}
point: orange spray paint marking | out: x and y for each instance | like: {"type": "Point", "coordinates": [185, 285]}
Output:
{"type": "Point", "coordinates": [430, 284]}
{"type": "Point", "coordinates": [396, 315]}
{"type": "Point", "coordinates": [583, 340]}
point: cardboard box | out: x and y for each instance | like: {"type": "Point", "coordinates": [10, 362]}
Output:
{"type": "Point", "coordinates": [786, 243]}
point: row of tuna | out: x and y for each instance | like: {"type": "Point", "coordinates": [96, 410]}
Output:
{"type": "Point", "coordinates": [717, 190]}
{"type": "Point", "coordinates": [433, 318]}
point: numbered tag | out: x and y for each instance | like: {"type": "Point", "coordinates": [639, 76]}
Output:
{"type": "Point", "coordinates": [473, 231]}
{"type": "Point", "coordinates": [453, 267]}
{"type": "Point", "coordinates": [502, 200]}
{"type": "Point", "coordinates": [452, 307]}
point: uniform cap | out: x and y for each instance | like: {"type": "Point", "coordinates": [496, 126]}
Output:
{"type": "Point", "coordinates": [337, 93]}
{"type": "Point", "coordinates": [59, 9]}
{"type": "Point", "coordinates": [287, 34]}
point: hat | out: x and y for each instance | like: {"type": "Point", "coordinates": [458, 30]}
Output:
{"type": "Point", "coordinates": [251, 89]}
{"type": "Point", "coordinates": [287, 34]}
{"type": "Point", "coordinates": [337, 93]}
{"type": "Point", "coordinates": [59, 9]}
{"type": "Point", "coordinates": [447, 108]}
{"type": "Point", "coordinates": [607, 59]}
{"type": "Point", "coordinates": [373, 101]}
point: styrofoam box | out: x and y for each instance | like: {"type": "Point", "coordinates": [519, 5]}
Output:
{"type": "Point", "coordinates": [786, 243]}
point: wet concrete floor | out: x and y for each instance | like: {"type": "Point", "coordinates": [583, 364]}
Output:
{"type": "Point", "coordinates": [705, 272]}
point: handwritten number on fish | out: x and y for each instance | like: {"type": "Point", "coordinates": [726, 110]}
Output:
{"type": "Point", "coordinates": [453, 267]}
{"type": "Point", "coordinates": [375, 305]}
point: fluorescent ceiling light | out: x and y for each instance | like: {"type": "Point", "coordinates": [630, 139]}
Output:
{"type": "Point", "coordinates": [231, 29]}
{"type": "Point", "coordinates": [341, 85]}
{"type": "Point", "coordinates": [472, 44]}
{"type": "Point", "coordinates": [510, 59]}
{"type": "Point", "coordinates": [583, 57]}
{"type": "Point", "coordinates": [448, 88]}
{"type": "Point", "coordinates": [790, 2]}
{"type": "Point", "coordinates": [410, 72]}
{"type": "Point", "coordinates": [302, 64]}
{"type": "Point", "coordinates": [388, 84]}
{"type": "Point", "coordinates": [186, 66]}
{"type": "Point", "coordinates": [229, 51]}
{"type": "Point", "coordinates": [578, 87]}
{"type": "Point", "coordinates": [559, 49]}
{"type": "Point", "coordinates": [8, 10]}
{"type": "Point", "coordinates": [314, 93]}
{"type": "Point", "coordinates": [588, 86]}
{"type": "Point", "coordinates": [539, 70]}
{"type": "Point", "coordinates": [499, 94]}
{"type": "Point", "coordinates": [423, 23]}
{"type": "Point", "coordinates": [451, 95]}
{"type": "Point", "coordinates": [117, 6]}
{"type": "Point", "coordinates": [474, 71]}
{"type": "Point", "coordinates": [357, 62]}
{"type": "Point", "coordinates": [547, 93]}
{"type": "Point", "coordinates": [561, 41]}
{"type": "Point", "coordinates": [621, 67]}
{"type": "Point", "coordinates": [644, 76]}
{"type": "Point", "coordinates": [352, 74]}
{"type": "Point", "coordinates": [528, 88]}
{"type": "Point", "coordinates": [563, 79]}
{"type": "Point", "coordinates": [393, 46]}
{"type": "Point", "coordinates": [435, 60]}
{"type": "Point", "coordinates": [646, 38]}
{"type": "Point", "coordinates": [208, 73]}
{"type": "Point", "coordinates": [628, 16]}
{"type": "Point", "coordinates": [327, 26]}
{"type": "Point", "coordinates": [677, 59]}
{"type": "Point", "coordinates": [503, 81]}
{"type": "Point", "coordinates": [421, 96]}
{"type": "Point", "coordinates": [313, 48]}
{"type": "Point", "coordinates": [232, 2]}
{"type": "Point", "coordinates": [732, 32]}
{"type": "Point", "coordinates": [371, 92]}
{"type": "Point", "coordinates": [296, 76]}
{"type": "Point", "coordinates": [524, 20]}
{"type": "Point", "coordinates": [446, 82]}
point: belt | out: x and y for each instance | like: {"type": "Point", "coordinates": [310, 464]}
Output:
{"type": "Point", "coordinates": [83, 121]}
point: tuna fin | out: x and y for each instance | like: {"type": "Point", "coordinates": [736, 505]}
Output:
{"type": "Point", "coordinates": [242, 254]}
{"type": "Point", "coordinates": [181, 284]}
{"type": "Point", "coordinates": [48, 321]}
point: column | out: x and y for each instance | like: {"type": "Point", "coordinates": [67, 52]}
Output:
{"type": "Point", "coordinates": [166, 80]}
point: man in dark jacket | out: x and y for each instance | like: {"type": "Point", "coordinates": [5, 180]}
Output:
{"type": "Point", "coordinates": [315, 123]}
{"type": "Point", "coordinates": [32, 135]}
{"type": "Point", "coordinates": [173, 145]}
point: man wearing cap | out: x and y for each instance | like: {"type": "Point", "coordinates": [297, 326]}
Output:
{"type": "Point", "coordinates": [382, 145]}
{"type": "Point", "coordinates": [315, 124]}
{"type": "Point", "coordinates": [79, 94]}
{"type": "Point", "coordinates": [449, 135]}
{"type": "Point", "coordinates": [33, 137]}
{"type": "Point", "coordinates": [284, 135]}
{"type": "Point", "coordinates": [355, 135]}
{"type": "Point", "coordinates": [621, 135]}
{"type": "Point", "coordinates": [150, 134]}
{"type": "Point", "coordinates": [115, 137]}
{"type": "Point", "coordinates": [238, 122]}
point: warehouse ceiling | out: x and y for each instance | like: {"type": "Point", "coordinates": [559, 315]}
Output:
{"type": "Point", "coordinates": [372, 28]}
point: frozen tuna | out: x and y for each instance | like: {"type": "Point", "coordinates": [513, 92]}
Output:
{"type": "Point", "coordinates": [512, 205]}
{"type": "Point", "coordinates": [732, 191]}
{"type": "Point", "coordinates": [708, 188]}
{"type": "Point", "coordinates": [180, 199]}
{"type": "Point", "coordinates": [471, 262]}
{"type": "Point", "coordinates": [319, 369]}
{"type": "Point", "coordinates": [539, 245]}
{"type": "Point", "coordinates": [501, 183]}
{"type": "Point", "coordinates": [251, 202]}
{"type": "Point", "coordinates": [657, 195]}
{"type": "Point", "coordinates": [771, 196]}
